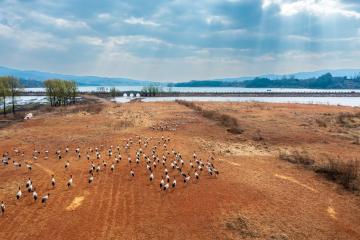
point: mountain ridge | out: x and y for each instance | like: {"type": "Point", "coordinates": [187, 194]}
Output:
{"type": "Point", "coordinates": [35, 78]}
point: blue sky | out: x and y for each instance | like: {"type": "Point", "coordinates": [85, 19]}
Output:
{"type": "Point", "coordinates": [179, 40]}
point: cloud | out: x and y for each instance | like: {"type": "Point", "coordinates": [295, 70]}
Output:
{"type": "Point", "coordinates": [318, 8]}
{"type": "Point", "coordinates": [30, 40]}
{"type": "Point", "coordinates": [158, 39]}
{"type": "Point", "coordinates": [104, 16]}
{"type": "Point", "coordinates": [96, 41]}
{"type": "Point", "coordinates": [140, 21]}
{"type": "Point", "coordinates": [217, 20]}
{"type": "Point", "coordinates": [57, 21]}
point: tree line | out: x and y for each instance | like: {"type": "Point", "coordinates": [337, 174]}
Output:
{"type": "Point", "coordinates": [61, 92]}
{"type": "Point", "coordinates": [9, 88]}
{"type": "Point", "coordinates": [151, 90]}
{"type": "Point", "coordinates": [326, 81]}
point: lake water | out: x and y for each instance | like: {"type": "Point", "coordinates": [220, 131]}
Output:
{"type": "Point", "coordinates": [344, 101]}
{"type": "Point", "coordinates": [203, 89]}
{"type": "Point", "coordinates": [22, 100]}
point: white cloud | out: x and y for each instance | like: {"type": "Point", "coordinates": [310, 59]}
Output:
{"type": "Point", "coordinates": [131, 39]}
{"type": "Point", "coordinates": [322, 39]}
{"type": "Point", "coordinates": [140, 21]}
{"type": "Point", "coordinates": [96, 41]}
{"type": "Point", "coordinates": [104, 16]}
{"type": "Point", "coordinates": [30, 40]}
{"type": "Point", "coordinates": [217, 20]}
{"type": "Point", "coordinates": [314, 7]}
{"type": "Point", "coordinates": [57, 22]}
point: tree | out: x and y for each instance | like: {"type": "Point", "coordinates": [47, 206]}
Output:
{"type": "Point", "coordinates": [113, 92]}
{"type": "Point", "coordinates": [50, 91]}
{"type": "Point", "coordinates": [61, 92]}
{"type": "Point", "coordinates": [14, 88]}
{"type": "Point", "coordinates": [151, 90]}
{"type": "Point", "coordinates": [4, 92]}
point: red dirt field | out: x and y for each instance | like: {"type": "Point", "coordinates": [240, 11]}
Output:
{"type": "Point", "coordinates": [255, 196]}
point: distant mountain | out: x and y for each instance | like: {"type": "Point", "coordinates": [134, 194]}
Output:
{"type": "Point", "coordinates": [25, 83]}
{"type": "Point", "coordinates": [343, 76]}
{"type": "Point", "coordinates": [81, 80]}
{"type": "Point", "coordinates": [325, 81]}
{"type": "Point", "coordinates": [350, 73]}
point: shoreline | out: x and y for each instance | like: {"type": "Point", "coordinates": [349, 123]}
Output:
{"type": "Point", "coordinates": [213, 94]}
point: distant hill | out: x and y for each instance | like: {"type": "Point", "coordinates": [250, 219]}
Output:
{"type": "Point", "coordinates": [350, 73]}
{"type": "Point", "coordinates": [81, 80]}
{"type": "Point", "coordinates": [341, 78]}
{"type": "Point", "coordinates": [26, 83]}
{"type": "Point", "coordinates": [326, 81]}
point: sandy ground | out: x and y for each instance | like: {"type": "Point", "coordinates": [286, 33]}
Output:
{"type": "Point", "coordinates": [256, 195]}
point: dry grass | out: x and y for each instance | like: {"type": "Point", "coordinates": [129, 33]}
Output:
{"type": "Point", "coordinates": [223, 119]}
{"type": "Point", "coordinates": [89, 108]}
{"type": "Point", "coordinates": [321, 123]}
{"type": "Point", "coordinates": [356, 140]}
{"type": "Point", "coordinates": [257, 136]}
{"type": "Point", "coordinates": [241, 227]}
{"type": "Point", "coordinates": [297, 157]}
{"type": "Point", "coordinates": [349, 120]}
{"type": "Point", "coordinates": [346, 173]}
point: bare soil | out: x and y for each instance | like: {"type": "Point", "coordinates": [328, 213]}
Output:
{"type": "Point", "coordinates": [255, 196]}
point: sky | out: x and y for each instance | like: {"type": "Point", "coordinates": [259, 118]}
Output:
{"type": "Point", "coordinates": [179, 40]}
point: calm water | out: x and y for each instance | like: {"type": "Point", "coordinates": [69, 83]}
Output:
{"type": "Point", "coordinates": [343, 101]}
{"type": "Point", "coordinates": [22, 100]}
{"type": "Point", "coordinates": [203, 89]}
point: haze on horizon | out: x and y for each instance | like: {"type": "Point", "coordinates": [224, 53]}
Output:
{"type": "Point", "coordinates": [179, 40]}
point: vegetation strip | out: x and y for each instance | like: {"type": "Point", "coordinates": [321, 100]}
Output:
{"type": "Point", "coordinates": [224, 120]}
{"type": "Point", "coordinates": [346, 173]}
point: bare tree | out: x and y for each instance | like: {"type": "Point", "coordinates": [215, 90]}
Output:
{"type": "Point", "coordinates": [61, 92]}
{"type": "Point", "coordinates": [14, 88]}
{"type": "Point", "coordinates": [4, 92]}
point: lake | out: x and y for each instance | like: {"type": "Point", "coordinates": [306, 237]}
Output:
{"type": "Point", "coordinates": [203, 89]}
{"type": "Point", "coordinates": [344, 101]}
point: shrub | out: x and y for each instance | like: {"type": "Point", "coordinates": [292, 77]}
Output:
{"type": "Point", "coordinates": [297, 158]}
{"type": "Point", "coordinates": [348, 119]}
{"type": "Point", "coordinates": [344, 172]}
{"type": "Point", "coordinates": [321, 123]}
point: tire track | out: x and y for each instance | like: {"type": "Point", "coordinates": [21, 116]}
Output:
{"type": "Point", "coordinates": [106, 211]}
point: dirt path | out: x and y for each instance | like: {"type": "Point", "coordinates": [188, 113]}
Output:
{"type": "Point", "coordinates": [97, 99]}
